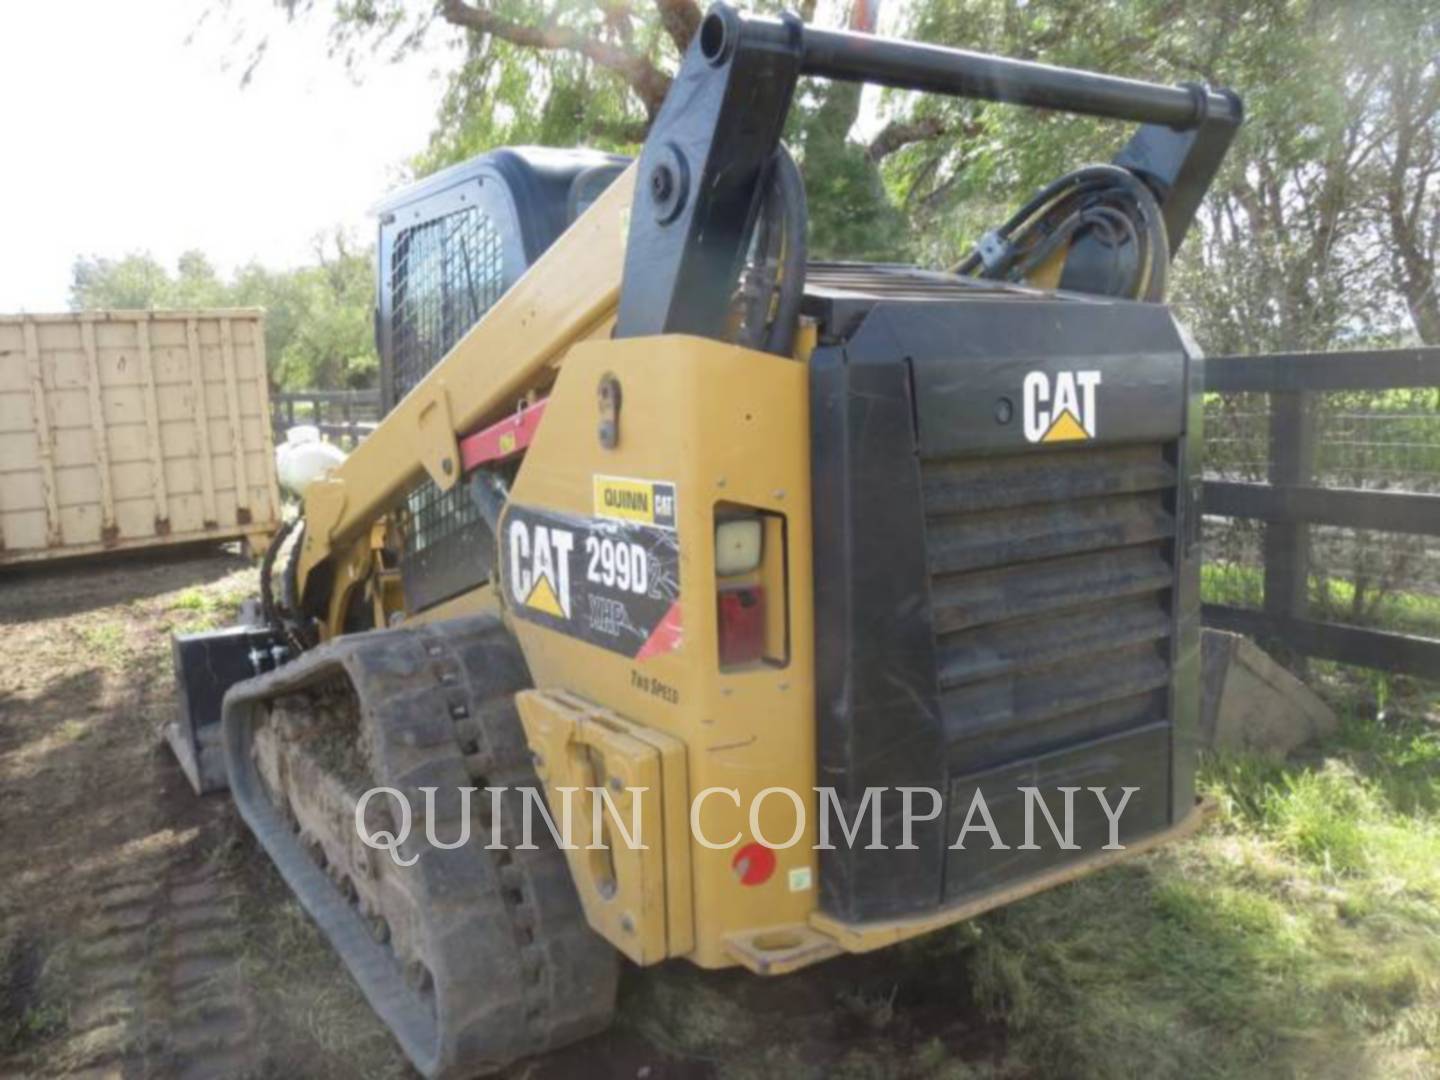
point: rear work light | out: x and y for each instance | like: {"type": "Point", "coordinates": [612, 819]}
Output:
{"type": "Point", "coordinates": [739, 543]}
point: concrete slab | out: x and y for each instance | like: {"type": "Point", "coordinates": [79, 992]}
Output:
{"type": "Point", "coordinates": [1251, 703]}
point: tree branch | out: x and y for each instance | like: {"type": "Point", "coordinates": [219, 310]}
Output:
{"type": "Point", "coordinates": [901, 133]}
{"type": "Point", "coordinates": [622, 131]}
{"type": "Point", "coordinates": [649, 82]}
{"type": "Point", "coordinates": [840, 106]}
{"type": "Point", "coordinates": [620, 18]}
{"type": "Point", "coordinates": [680, 18]}
{"type": "Point", "coordinates": [864, 16]}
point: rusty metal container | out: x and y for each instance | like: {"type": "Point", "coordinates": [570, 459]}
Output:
{"type": "Point", "coordinates": [133, 429]}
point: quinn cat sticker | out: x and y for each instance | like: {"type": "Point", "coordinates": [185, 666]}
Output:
{"type": "Point", "coordinates": [645, 502]}
{"type": "Point", "coordinates": [615, 584]}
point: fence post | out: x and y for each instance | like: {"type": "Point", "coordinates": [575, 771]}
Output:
{"type": "Point", "coordinates": [339, 415]}
{"type": "Point", "coordinates": [1287, 543]}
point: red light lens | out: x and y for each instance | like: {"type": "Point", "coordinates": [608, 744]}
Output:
{"type": "Point", "coordinates": [742, 625]}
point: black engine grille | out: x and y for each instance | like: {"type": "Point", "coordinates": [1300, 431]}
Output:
{"type": "Point", "coordinates": [1050, 584]}
{"type": "Point", "coordinates": [1051, 578]}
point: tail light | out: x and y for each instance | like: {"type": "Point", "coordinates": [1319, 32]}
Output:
{"type": "Point", "coordinates": [750, 587]}
{"type": "Point", "coordinates": [742, 625]}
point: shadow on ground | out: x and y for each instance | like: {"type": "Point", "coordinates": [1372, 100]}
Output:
{"type": "Point", "coordinates": [69, 586]}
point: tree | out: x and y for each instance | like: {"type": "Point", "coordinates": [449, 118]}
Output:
{"type": "Point", "coordinates": [1323, 225]}
{"type": "Point", "coordinates": [1322, 228]}
{"type": "Point", "coordinates": [576, 72]}
{"type": "Point", "coordinates": [318, 328]}
{"type": "Point", "coordinates": [1405, 73]}
{"type": "Point", "coordinates": [135, 281]}
{"type": "Point", "coordinates": [333, 343]}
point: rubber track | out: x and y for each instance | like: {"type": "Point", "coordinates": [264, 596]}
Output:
{"type": "Point", "coordinates": [513, 967]}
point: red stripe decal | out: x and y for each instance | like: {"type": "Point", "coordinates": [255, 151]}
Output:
{"type": "Point", "coordinates": [502, 439]}
{"type": "Point", "coordinates": [665, 637]}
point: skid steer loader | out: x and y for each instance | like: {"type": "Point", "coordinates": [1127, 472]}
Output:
{"type": "Point", "coordinates": [701, 539]}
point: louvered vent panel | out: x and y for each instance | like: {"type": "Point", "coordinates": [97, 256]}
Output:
{"type": "Point", "coordinates": [1050, 584]}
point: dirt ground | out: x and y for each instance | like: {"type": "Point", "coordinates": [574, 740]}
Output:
{"type": "Point", "coordinates": [142, 934]}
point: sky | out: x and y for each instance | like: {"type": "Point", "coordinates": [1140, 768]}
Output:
{"type": "Point", "coordinates": [120, 135]}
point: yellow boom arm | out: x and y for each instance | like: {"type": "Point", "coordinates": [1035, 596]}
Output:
{"type": "Point", "coordinates": [569, 294]}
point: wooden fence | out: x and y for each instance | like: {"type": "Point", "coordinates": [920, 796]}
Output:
{"type": "Point", "coordinates": [343, 416]}
{"type": "Point", "coordinates": [1291, 502]}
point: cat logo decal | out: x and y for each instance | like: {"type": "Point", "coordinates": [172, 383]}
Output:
{"type": "Point", "coordinates": [1060, 408]}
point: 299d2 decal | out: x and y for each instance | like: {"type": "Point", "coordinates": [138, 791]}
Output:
{"type": "Point", "coordinates": [611, 583]}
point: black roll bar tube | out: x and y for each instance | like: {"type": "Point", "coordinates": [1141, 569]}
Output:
{"type": "Point", "coordinates": [911, 65]}
{"type": "Point", "coordinates": [706, 162]}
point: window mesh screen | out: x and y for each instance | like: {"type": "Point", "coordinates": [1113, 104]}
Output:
{"type": "Point", "coordinates": [446, 274]}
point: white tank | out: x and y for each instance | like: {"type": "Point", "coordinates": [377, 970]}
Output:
{"type": "Point", "coordinates": [302, 457]}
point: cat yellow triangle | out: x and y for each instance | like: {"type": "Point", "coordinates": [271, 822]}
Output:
{"type": "Point", "coordinates": [1065, 429]}
{"type": "Point", "coordinates": [542, 598]}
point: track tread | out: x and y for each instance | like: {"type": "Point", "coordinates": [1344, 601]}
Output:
{"type": "Point", "coordinates": [163, 997]}
{"type": "Point", "coordinates": [510, 975]}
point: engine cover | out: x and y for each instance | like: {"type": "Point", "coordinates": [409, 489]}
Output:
{"type": "Point", "coordinates": [1006, 568]}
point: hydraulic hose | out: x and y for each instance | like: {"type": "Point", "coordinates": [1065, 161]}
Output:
{"type": "Point", "coordinates": [772, 307]}
{"type": "Point", "coordinates": [1104, 203]}
{"type": "Point", "coordinates": [787, 187]}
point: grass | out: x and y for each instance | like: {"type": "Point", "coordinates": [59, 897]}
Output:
{"type": "Point", "coordinates": [71, 731]}
{"type": "Point", "coordinates": [193, 600]}
{"type": "Point", "coordinates": [35, 1024]}
{"type": "Point", "coordinates": [196, 610]}
{"type": "Point", "coordinates": [107, 643]}
{"type": "Point", "coordinates": [1300, 935]}
{"type": "Point", "coordinates": [31, 1009]}
{"type": "Point", "coordinates": [690, 1019]}
{"type": "Point", "coordinates": [899, 1013]}
{"type": "Point", "coordinates": [1399, 611]}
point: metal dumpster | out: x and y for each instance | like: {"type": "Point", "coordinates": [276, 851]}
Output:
{"type": "Point", "coordinates": [133, 429]}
